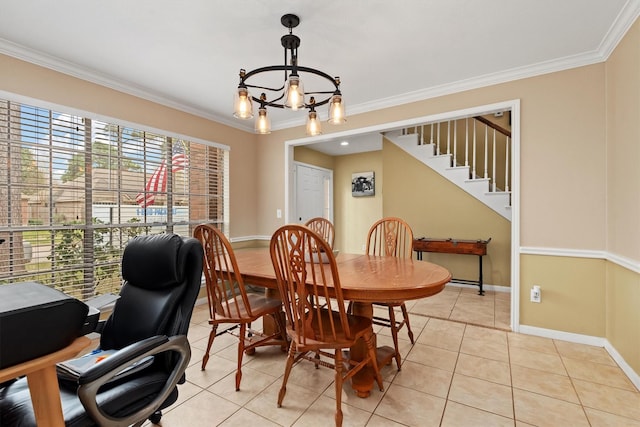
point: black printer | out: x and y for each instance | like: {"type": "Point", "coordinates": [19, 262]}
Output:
{"type": "Point", "coordinates": [36, 320]}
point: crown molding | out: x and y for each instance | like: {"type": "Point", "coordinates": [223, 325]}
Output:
{"type": "Point", "coordinates": [619, 28]}
{"type": "Point", "coordinates": [93, 76]}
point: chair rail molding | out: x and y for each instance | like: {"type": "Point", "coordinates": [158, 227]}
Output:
{"type": "Point", "coordinates": [620, 260]}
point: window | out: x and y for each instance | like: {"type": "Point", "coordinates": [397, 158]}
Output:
{"type": "Point", "coordinates": [74, 190]}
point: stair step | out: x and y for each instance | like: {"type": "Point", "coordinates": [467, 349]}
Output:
{"type": "Point", "coordinates": [500, 198]}
{"type": "Point", "coordinates": [429, 148]}
{"type": "Point", "coordinates": [478, 184]}
{"type": "Point", "coordinates": [458, 174]}
{"type": "Point", "coordinates": [441, 161]}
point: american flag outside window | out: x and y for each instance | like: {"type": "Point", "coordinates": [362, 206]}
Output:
{"type": "Point", "coordinates": [158, 180]}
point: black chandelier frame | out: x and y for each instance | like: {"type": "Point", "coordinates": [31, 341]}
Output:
{"type": "Point", "coordinates": [290, 43]}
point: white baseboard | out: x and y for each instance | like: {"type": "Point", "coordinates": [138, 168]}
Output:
{"type": "Point", "coordinates": [633, 376]}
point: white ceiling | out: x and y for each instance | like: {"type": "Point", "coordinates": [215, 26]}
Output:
{"type": "Point", "coordinates": [187, 54]}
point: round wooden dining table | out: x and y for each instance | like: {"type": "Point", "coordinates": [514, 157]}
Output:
{"type": "Point", "coordinates": [364, 279]}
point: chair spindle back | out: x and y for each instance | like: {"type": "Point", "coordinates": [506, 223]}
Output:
{"type": "Point", "coordinates": [225, 289]}
{"type": "Point", "coordinates": [390, 237]}
{"type": "Point", "coordinates": [297, 253]}
{"type": "Point", "coordinates": [324, 228]}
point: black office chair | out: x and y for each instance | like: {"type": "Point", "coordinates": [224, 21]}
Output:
{"type": "Point", "coordinates": [161, 281]}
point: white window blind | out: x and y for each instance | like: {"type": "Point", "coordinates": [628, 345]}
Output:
{"type": "Point", "coordinates": [75, 190]}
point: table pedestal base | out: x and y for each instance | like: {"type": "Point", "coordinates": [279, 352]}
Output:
{"type": "Point", "coordinates": [362, 382]}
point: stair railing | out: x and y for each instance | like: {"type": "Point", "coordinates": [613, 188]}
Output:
{"type": "Point", "coordinates": [493, 139]}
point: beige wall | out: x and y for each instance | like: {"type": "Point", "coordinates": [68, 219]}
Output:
{"type": "Point", "coordinates": [623, 146]}
{"type": "Point", "coordinates": [623, 196]}
{"type": "Point", "coordinates": [354, 215]}
{"type": "Point", "coordinates": [562, 151]}
{"type": "Point", "coordinates": [572, 294]}
{"type": "Point", "coordinates": [306, 155]}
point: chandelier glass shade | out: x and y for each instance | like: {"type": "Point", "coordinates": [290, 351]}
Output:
{"type": "Point", "coordinates": [291, 94]}
{"type": "Point", "coordinates": [242, 105]}
{"type": "Point", "coordinates": [263, 123]}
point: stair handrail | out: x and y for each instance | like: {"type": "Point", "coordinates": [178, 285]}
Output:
{"type": "Point", "coordinates": [492, 125]}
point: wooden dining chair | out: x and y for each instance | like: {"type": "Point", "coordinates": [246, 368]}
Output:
{"type": "Point", "coordinates": [324, 228]}
{"type": "Point", "coordinates": [229, 301]}
{"type": "Point", "coordinates": [318, 333]}
{"type": "Point", "coordinates": [392, 236]}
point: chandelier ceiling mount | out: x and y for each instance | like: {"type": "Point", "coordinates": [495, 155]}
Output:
{"type": "Point", "coordinates": [291, 94]}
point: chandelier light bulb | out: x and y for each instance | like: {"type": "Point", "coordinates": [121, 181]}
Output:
{"type": "Point", "coordinates": [263, 124]}
{"type": "Point", "coordinates": [242, 105]}
{"type": "Point", "coordinates": [294, 93]}
{"type": "Point", "coordinates": [313, 124]}
{"type": "Point", "coordinates": [336, 110]}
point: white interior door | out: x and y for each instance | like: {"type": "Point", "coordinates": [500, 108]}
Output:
{"type": "Point", "coordinates": [313, 193]}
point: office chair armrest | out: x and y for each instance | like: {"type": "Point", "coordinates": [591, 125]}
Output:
{"type": "Point", "coordinates": [91, 381]}
{"type": "Point", "coordinates": [122, 359]}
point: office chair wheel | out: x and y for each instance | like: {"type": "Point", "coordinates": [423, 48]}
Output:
{"type": "Point", "coordinates": [156, 417]}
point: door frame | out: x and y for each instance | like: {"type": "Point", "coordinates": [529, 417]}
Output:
{"type": "Point", "coordinates": [513, 105]}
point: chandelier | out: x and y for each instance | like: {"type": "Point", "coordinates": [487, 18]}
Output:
{"type": "Point", "coordinates": [291, 94]}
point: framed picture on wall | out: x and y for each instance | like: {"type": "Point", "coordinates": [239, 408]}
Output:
{"type": "Point", "coordinates": [363, 184]}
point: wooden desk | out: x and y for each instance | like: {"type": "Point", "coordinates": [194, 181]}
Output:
{"type": "Point", "coordinates": [365, 280]}
{"type": "Point", "coordinates": [43, 382]}
{"type": "Point", "coordinates": [454, 246]}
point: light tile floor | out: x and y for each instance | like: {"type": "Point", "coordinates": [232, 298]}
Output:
{"type": "Point", "coordinates": [463, 304]}
{"type": "Point", "coordinates": [456, 374]}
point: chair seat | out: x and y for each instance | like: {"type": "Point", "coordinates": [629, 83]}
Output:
{"type": "Point", "coordinates": [260, 305]}
{"type": "Point", "coordinates": [357, 324]}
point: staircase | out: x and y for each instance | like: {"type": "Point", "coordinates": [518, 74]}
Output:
{"type": "Point", "coordinates": [472, 161]}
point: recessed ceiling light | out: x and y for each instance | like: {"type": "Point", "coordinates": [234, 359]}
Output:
{"type": "Point", "coordinates": [344, 143]}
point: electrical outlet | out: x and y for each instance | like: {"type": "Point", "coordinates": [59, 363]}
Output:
{"type": "Point", "coordinates": [535, 294]}
{"type": "Point", "coordinates": [364, 247]}
{"type": "Point", "coordinates": [278, 213]}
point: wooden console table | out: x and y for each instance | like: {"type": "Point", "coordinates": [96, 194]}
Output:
{"type": "Point", "coordinates": [454, 246]}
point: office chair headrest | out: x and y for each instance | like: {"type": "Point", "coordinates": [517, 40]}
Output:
{"type": "Point", "coordinates": [152, 262]}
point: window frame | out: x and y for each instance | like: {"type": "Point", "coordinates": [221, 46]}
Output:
{"type": "Point", "coordinates": [14, 249]}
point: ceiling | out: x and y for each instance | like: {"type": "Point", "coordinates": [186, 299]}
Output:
{"type": "Point", "coordinates": [187, 55]}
